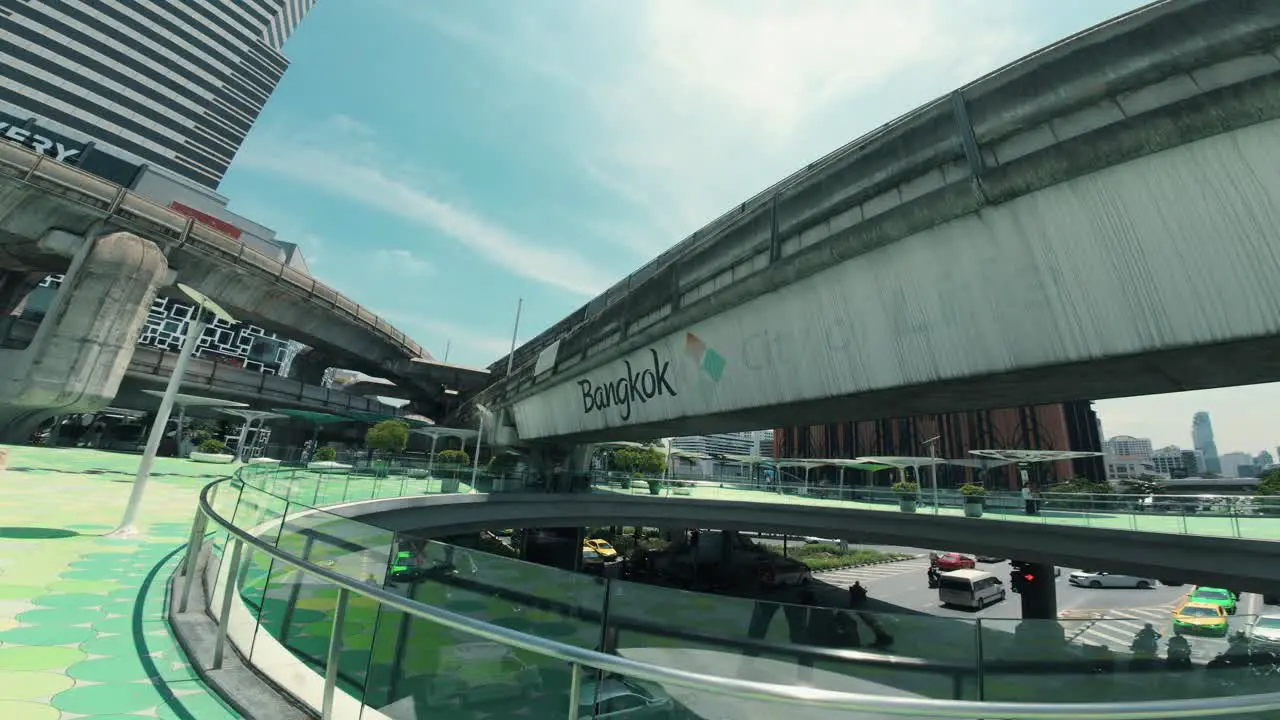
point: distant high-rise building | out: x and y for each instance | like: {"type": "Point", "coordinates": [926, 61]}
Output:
{"type": "Point", "coordinates": [740, 444]}
{"type": "Point", "coordinates": [1176, 462]}
{"type": "Point", "coordinates": [1263, 459]}
{"type": "Point", "coordinates": [113, 86]}
{"type": "Point", "coordinates": [1128, 446]}
{"type": "Point", "coordinates": [1231, 463]}
{"type": "Point", "coordinates": [1202, 440]}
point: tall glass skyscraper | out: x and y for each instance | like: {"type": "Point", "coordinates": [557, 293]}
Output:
{"type": "Point", "coordinates": [174, 84]}
{"type": "Point", "coordinates": [1202, 440]}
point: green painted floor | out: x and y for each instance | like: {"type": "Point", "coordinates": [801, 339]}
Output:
{"type": "Point", "coordinates": [82, 628]}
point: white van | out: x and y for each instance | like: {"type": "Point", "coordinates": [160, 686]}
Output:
{"type": "Point", "coordinates": [969, 588]}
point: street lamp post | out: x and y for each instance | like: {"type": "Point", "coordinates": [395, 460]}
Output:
{"type": "Point", "coordinates": [482, 411]}
{"type": "Point", "coordinates": [195, 330]}
{"type": "Point", "coordinates": [933, 468]}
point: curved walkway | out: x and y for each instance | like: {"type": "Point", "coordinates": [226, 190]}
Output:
{"type": "Point", "coordinates": [82, 622]}
{"type": "Point", "coordinates": [1103, 514]}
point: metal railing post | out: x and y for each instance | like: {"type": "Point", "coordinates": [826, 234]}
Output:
{"type": "Point", "coordinates": [228, 595]}
{"type": "Point", "coordinates": [331, 659]}
{"type": "Point", "coordinates": [194, 544]}
{"type": "Point", "coordinates": [575, 689]}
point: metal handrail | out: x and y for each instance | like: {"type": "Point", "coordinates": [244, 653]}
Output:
{"type": "Point", "coordinates": [734, 687]}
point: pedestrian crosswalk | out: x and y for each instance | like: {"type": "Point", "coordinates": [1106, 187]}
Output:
{"type": "Point", "coordinates": [1116, 629]}
{"type": "Point", "coordinates": [870, 573]}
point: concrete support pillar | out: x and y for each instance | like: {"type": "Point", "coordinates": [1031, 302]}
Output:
{"type": "Point", "coordinates": [559, 547]}
{"type": "Point", "coordinates": [80, 353]}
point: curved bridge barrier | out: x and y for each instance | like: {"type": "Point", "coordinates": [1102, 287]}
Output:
{"type": "Point", "coordinates": [1234, 516]}
{"type": "Point", "coordinates": [355, 622]}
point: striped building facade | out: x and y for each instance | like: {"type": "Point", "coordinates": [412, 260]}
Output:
{"type": "Point", "coordinates": [174, 84]}
{"type": "Point", "coordinates": [1058, 426]}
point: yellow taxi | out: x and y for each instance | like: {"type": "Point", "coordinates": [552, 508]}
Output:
{"type": "Point", "coordinates": [1200, 617]}
{"type": "Point", "coordinates": [600, 547]}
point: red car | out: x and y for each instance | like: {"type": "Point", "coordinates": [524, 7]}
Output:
{"type": "Point", "coordinates": [954, 561]}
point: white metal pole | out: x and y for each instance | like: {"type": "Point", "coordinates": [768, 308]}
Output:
{"type": "Point", "coordinates": [933, 470]}
{"type": "Point", "coordinates": [667, 465]}
{"type": "Point", "coordinates": [475, 464]}
{"type": "Point", "coordinates": [244, 436]}
{"type": "Point", "coordinates": [447, 344]}
{"type": "Point", "coordinates": [511, 356]}
{"type": "Point", "coordinates": [431, 461]}
{"type": "Point", "coordinates": [194, 331]}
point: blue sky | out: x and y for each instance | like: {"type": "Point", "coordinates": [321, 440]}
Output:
{"type": "Point", "coordinates": [439, 159]}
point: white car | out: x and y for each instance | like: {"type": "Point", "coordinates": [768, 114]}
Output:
{"type": "Point", "coordinates": [1096, 579]}
{"type": "Point", "coordinates": [618, 698]}
{"type": "Point", "coordinates": [1264, 634]}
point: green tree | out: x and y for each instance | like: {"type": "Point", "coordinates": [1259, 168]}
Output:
{"type": "Point", "coordinates": [390, 436]}
{"type": "Point", "coordinates": [454, 457]}
{"type": "Point", "coordinates": [1269, 484]}
{"type": "Point", "coordinates": [643, 461]}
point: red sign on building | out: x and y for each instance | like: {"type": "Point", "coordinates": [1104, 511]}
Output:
{"type": "Point", "coordinates": [203, 218]}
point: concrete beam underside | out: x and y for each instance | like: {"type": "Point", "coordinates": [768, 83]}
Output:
{"type": "Point", "coordinates": [1178, 370]}
{"type": "Point", "coordinates": [1146, 553]}
{"type": "Point", "coordinates": [82, 349]}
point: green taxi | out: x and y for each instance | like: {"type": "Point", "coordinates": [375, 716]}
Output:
{"type": "Point", "coordinates": [1224, 599]}
{"type": "Point", "coordinates": [1197, 618]}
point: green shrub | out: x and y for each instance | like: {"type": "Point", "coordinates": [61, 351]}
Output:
{"type": "Point", "coordinates": [905, 488]}
{"type": "Point", "coordinates": [970, 490]}
{"type": "Point", "coordinates": [213, 447]}
{"type": "Point", "coordinates": [325, 454]}
{"type": "Point", "coordinates": [390, 436]}
{"type": "Point", "coordinates": [454, 457]}
{"type": "Point", "coordinates": [827, 557]}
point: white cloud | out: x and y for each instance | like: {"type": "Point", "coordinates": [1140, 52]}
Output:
{"type": "Point", "coordinates": [464, 344]}
{"type": "Point", "coordinates": [402, 261]}
{"type": "Point", "coordinates": [691, 106]}
{"type": "Point", "coordinates": [341, 158]}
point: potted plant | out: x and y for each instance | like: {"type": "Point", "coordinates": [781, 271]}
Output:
{"type": "Point", "coordinates": [655, 487]}
{"type": "Point", "coordinates": [974, 496]}
{"type": "Point", "coordinates": [326, 460]}
{"type": "Point", "coordinates": [455, 462]}
{"type": "Point", "coordinates": [907, 493]}
{"type": "Point", "coordinates": [212, 451]}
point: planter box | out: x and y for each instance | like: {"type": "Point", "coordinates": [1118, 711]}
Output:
{"type": "Point", "coordinates": [907, 504]}
{"type": "Point", "coordinates": [655, 489]}
{"type": "Point", "coordinates": [263, 461]}
{"type": "Point", "coordinates": [973, 508]}
{"type": "Point", "coordinates": [418, 473]}
{"type": "Point", "coordinates": [215, 458]}
{"type": "Point", "coordinates": [328, 466]}
{"type": "Point", "coordinates": [449, 485]}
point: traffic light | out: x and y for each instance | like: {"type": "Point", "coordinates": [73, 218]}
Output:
{"type": "Point", "coordinates": [1015, 581]}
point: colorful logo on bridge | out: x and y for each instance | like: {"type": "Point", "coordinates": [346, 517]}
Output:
{"type": "Point", "coordinates": [709, 361]}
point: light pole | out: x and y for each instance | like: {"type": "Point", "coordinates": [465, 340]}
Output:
{"type": "Point", "coordinates": [483, 412]}
{"type": "Point", "coordinates": [195, 329]}
{"type": "Point", "coordinates": [933, 468]}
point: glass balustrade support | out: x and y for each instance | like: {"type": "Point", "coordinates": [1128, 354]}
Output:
{"type": "Point", "coordinates": [228, 596]}
{"type": "Point", "coordinates": [575, 690]}
{"type": "Point", "coordinates": [198, 527]}
{"type": "Point", "coordinates": [335, 650]}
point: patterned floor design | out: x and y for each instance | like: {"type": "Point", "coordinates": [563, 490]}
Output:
{"type": "Point", "coordinates": [82, 631]}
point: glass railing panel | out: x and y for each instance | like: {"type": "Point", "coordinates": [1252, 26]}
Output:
{"type": "Point", "coordinates": [824, 643]}
{"type": "Point", "coordinates": [1094, 659]}
{"type": "Point", "coordinates": [298, 609]}
{"type": "Point", "coordinates": [428, 670]}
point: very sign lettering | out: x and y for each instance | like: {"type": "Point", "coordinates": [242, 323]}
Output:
{"type": "Point", "coordinates": [36, 141]}
{"type": "Point", "coordinates": [634, 386]}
